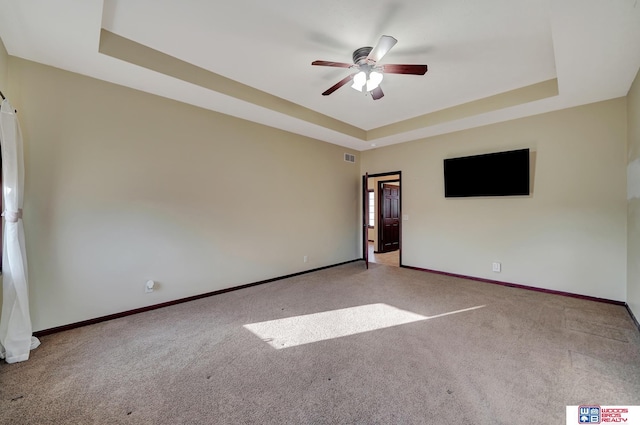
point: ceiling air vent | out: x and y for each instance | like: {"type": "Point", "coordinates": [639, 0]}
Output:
{"type": "Point", "coordinates": [349, 157]}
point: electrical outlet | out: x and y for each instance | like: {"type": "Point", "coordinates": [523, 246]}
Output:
{"type": "Point", "coordinates": [497, 267]}
{"type": "Point", "coordinates": [305, 258]}
{"type": "Point", "coordinates": [149, 286]}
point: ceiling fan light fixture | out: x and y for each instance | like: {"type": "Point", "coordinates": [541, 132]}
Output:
{"type": "Point", "coordinates": [375, 78]}
{"type": "Point", "coordinates": [359, 80]}
{"type": "Point", "coordinates": [369, 72]}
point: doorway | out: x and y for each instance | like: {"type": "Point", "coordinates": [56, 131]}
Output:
{"type": "Point", "coordinates": [384, 238]}
{"type": "Point", "coordinates": [389, 216]}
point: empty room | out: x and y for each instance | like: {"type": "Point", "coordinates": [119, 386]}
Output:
{"type": "Point", "coordinates": [317, 213]}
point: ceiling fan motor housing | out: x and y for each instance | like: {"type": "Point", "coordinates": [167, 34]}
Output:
{"type": "Point", "coordinates": [360, 55]}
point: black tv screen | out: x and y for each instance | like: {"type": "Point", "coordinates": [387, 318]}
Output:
{"type": "Point", "coordinates": [493, 174]}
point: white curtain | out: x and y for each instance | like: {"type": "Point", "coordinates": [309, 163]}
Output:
{"type": "Point", "coordinates": [15, 323]}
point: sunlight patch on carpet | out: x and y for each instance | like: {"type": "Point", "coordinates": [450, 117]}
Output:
{"type": "Point", "coordinates": [308, 328]}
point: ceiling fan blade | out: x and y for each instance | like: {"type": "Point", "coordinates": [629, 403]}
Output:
{"type": "Point", "coordinates": [404, 69]}
{"type": "Point", "coordinates": [339, 84]}
{"type": "Point", "coordinates": [336, 64]}
{"type": "Point", "coordinates": [377, 93]}
{"type": "Point", "coordinates": [385, 44]}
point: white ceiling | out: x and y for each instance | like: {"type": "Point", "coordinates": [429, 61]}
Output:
{"type": "Point", "coordinates": [474, 49]}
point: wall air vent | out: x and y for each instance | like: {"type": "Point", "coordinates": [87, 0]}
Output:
{"type": "Point", "coordinates": [349, 157]}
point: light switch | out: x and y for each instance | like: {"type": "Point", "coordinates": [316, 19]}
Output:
{"type": "Point", "coordinates": [405, 217]}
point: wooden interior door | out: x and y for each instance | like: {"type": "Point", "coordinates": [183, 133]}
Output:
{"type": "Point", "coordinates": [365, 219]}
{"type": "Point", "coordinates": [390, 217]}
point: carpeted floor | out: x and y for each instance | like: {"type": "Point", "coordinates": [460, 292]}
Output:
{"type": "Point", "coordinates": [343, 345]}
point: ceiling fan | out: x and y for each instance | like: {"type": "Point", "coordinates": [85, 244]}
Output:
{"type": "Point", "coordinates": [369, 74]}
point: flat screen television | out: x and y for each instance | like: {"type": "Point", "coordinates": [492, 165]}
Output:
{"type": "Point", "coordinates": [493, 174]}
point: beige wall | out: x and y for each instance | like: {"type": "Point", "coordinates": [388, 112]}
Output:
{"type": "Point", "coordinates": [569, 235]}
{"type": "Point", "coordinates": [4, 83]}
{"type": "Point", "coordinates": [4, 69]}
{"type": "Point", "coordinates": [633, 198]}
{"type": "Point", "coordinates": [123, 186]}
